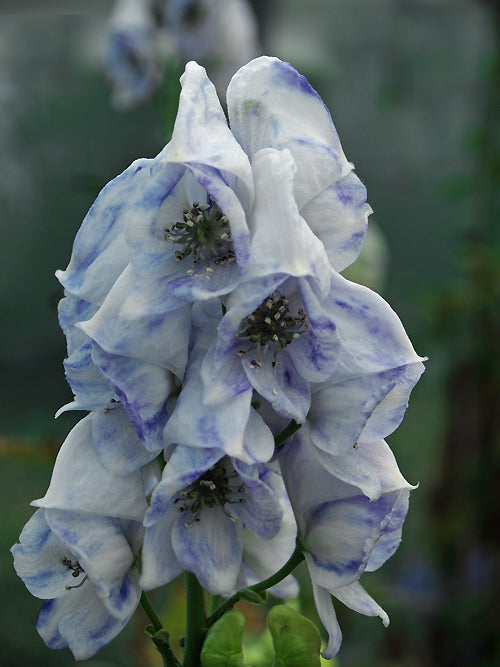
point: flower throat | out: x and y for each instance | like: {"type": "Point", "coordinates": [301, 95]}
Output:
{"type": "Point", "coordinates": [215, 488]}
{"type": "Point", "coordinates": [272, 323]}
{"type": "Point", "coordinates": [204, 234]}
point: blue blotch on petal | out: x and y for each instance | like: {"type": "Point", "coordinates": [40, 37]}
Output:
{"type": "Point", "coordinates": [286, 75]}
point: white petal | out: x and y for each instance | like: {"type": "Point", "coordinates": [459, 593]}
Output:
{"type": "Point", "coordinates": [79, 621]}
{"type": "Point", "coordinates": [356, 598]}
{"type": "Point", "coordinates": [37, 558]}
{"type": "Point", "coordinates": [117, 444]}
{"type": "Point", "coordinates": [80, 482]}
{"type": "Point", "coordinates": [103, 551]}
{"type": "Point", "coordinates": [211, 549]}
{"type": "Point", "coordinates": [100, 252]}
{"type": "Point", "coordinates": [326, 612]}
{"type": "Point", "coordinates": [271, 105]}
{"type": "Point", "coordinates": [338, 216]}
{"type": "Point", "coordinates": [159, 562]}
{"type": "Point", "coordinates": [281, 240]}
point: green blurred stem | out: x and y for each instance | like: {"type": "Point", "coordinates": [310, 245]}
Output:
{"type": "Point", "coordinates": [296, 558]}
{"type": "Point", "coordinates": [159, 636]}
{"type": "Point", "coordinates": [195, 621]}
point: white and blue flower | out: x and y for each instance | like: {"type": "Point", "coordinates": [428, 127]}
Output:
{"type": "Point", "coordinates": [131, 58]}
{"type": "Point", "coordinates": [81, 565]}
{"type": "Point", "coordinates": [199, 514]}
{"type": "Point", "coordinates": [342, 532]}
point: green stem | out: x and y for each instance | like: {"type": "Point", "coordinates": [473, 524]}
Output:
{"type": "Point", "coordinates": [150, 612]}
{"type": "Point", "coordinates": [158, 634]}
{"type": "Point", "coordinates": [213, 604]}
{"type": "Point", "coordinates": [195, 621]}
{"type": "Point", "coordinates": [286, 433]}
{"type": "Point", "coordinates": [296, 558]}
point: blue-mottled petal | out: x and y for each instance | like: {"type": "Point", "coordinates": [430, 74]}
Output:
{"type": "Point", "coordinates": [339, 216]}
{"type": "Point", "coordinates": [271, 105]}
{"type": "Point", "coordinates": [143, 390]}
{"type": "Point", "coordinates": [263, 557]}
{"type": "Point", "coordinates": [100, 252]}
{"type": "Point", "coordinates": [72, 310]}
{"type": "Point", "coordinates": [371, 334]}
{"type": "Point", "coordinates": [341, 536]}
{"type": "Point", "coordinates": [351, 468]}
{"type": "Point", "coordinates": [223, 375]}
{"type": "Point", "coordinates": [80, 482]}
{"type": "Point", "coordinates": [159, 564]}
{"type": "Point", "coordinates": [91, 388]}
{"type": "Point", "coordinates": [78, 621]}
{"type": "Point", "coordinates": [308, 482]}
{"type": "Point", "coordinates": [198, 425]}
{"type": "Point", "coordinates": [341, 411]}
{"type": "Point", "coordinates": [390, 540]}
{"type": "Point", "coordinates": [389, 412]}
{"type": "Point", "coordinates": [211, 549]}
{"type": "Point", "coordinates": [103, 551]}
{"type": "Point", "coordinates": [261, 512]}
{"type": "Point", "coordinates": [116, 442]}
{"type": "Point", "coordinates": [258, 439]}
{"type": "Point", "coordinates": [283, 386]}
{"type": "Point", "coordinates": [136, 319]}
{"type": "Point", "coordinates": [37, 559]}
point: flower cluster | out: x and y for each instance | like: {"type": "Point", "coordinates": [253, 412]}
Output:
{"type": "Point", "coordinates": [239, 389]}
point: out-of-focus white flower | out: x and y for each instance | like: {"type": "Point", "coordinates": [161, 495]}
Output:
{"type": "Point", "coordinates": [132, 60]}
{"type": "Point", "coordinates": [219, 34]}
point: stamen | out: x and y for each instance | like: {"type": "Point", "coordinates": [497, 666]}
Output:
{"type": "Point", "coordinates": [76, 570]}
{"type": "Point", "coordinates": [218, 487]}
{"type": "Point", "coordinates": [204, 233]}
{"type": "Point", "coordinates": [272, 323]}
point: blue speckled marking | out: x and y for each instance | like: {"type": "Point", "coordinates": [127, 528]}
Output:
{"type": "Point", "coordinates": [286, 75]}
{"type": "Point", "coordinates": [287, 377]}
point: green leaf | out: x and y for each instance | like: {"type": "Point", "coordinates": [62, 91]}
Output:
{"type": "Point", "coordinates": [296, 639]}
{"type": "Point", "coordinates": [222, 646]}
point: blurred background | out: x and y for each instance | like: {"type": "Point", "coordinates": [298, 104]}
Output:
{"type": "Point", "coordinates": [413, 88]}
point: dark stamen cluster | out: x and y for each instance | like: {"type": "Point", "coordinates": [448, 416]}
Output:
{"type": "Point", "coordinates": [272, 323]}
{"type": "Point", "coordinates": [204, 233]}
{"type": "Point", "coordinates": [76, 570]}
{"type": "Point", "coordinates": [217, 487]}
